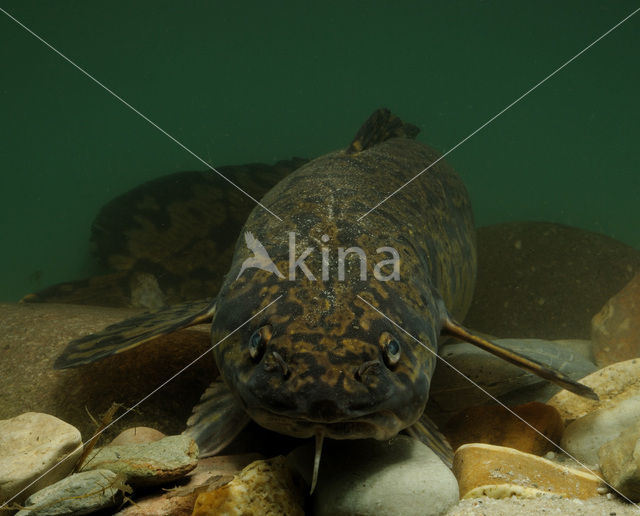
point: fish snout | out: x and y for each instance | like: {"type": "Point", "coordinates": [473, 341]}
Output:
{"type": "Point", "coordinates": [364, 370]}
{"type": "Point", "coordinates": [325, 410]}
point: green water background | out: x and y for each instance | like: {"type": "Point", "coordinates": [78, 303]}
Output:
{"type": "Point", "coordinates": [261, 81]}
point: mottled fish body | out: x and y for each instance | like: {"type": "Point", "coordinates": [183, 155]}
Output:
{"type": "Point", "coordinates": [309, 372]}
{"type": "Point", "coordinates": [328, 323]}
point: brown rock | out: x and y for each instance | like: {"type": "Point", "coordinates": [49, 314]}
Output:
{"type": "Point", "coordinates": [545, 280]}
{"type": "Point", "coordinates": [496, 425]}
{"type": "Point", "coordinates": [612, 384]}
{"type": "Point", "coordinates": [615, 330]}
{"type": "Point", "coordinates": [137, 435]}
{"type": "Point", "coordinates": [499, 472]}
{"type": "Point", "coordinates": [33, 335]}
{"type": "Point", "coordinates": [263, 487]}
{"type": "Point", "coordinates": [620, 463]}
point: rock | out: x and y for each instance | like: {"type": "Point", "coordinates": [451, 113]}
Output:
{"type": "Point", "coordinates": [263, 487]}
{"type": "Point", "coordinates": [450, 392]}
{"type": "Point", "coordinates": [148, 464]}
{"type": "Point", "coordinates": [209, 474]}
{"type": "Point", "coordinates": [81, 493]}
{"type": "Point", "coordinates": [543, 506]}
{"type": "Point", "coordinates": [400, 476]}
{"type": "Point", "coordinates": [615, 330]}
{"type": "Point", "coordinates": [612, 384]}
{"type": "Point", "coordinates": [620, 463]}
{"type": "Point", "coordinates": [499, 472]}
{"type": "Point", "coordinates": [496, 425]}
{"type": "Point", "coordinates": [545, 280]}
{"type": "Point", "coordinates": [33, 335]}
{"type": "Point", "coordinates": [136, 435]}
{"type": "Point", "coordinates": [584, 437]}
{"type": "Point", "coordinates": [31, 444]}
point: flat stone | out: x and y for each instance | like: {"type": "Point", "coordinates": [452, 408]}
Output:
{"type": "Point", "coordinates": [615, 330]}
{"type": "Point", "coordinates": [620, 463]}
{"type": "Point", "coordinates": [263, 487]}
{"type": "Point", "coordinates": [31, 444]}
{"type": "Point", "coordinates": [545, 280]}
{"type": "Point", "coordinates": [496, 425]}
{"type": "Point", "coordinates": [400, 476]}
{"type": "Point", "coordinates": [80, 493]}
{"type": "Point", "coordinates": [451, 392]}
{"type": "Point", "coordinates": [210, 473]}
{"type": "Point", "coordinates": [500, 472]}
{"type": "Point", "coordinates": [136, 435]}
{"type": "Point", "coordinates": [584, 437]}
{"type": "Point", "coordinates": [148, 464]}
{"type": "Point", "coordinates": [612, 384]}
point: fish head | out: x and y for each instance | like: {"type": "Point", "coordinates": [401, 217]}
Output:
{"type": "Point", "coordinates": [326, 357]}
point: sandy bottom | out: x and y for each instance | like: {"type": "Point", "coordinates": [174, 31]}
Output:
{"type": "Point", "coordinates": [544, 506]}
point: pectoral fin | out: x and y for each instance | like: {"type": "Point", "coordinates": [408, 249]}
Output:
{"type": "Point", "coordinates": [216, 419]}
{"type": "Point", "coordinates": [455, 329]}
{"type": "Point", "coordinates": [134, 331]}
{"type": "Point", "coordinates": [427, 433]}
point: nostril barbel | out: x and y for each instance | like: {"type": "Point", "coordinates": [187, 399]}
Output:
{"type": "Point", "coordinates": [283, 365]}
{"type": "Point", "coordinates": [364, 368]}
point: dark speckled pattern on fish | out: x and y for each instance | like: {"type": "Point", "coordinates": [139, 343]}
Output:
{"type": "Point", "coordinates": [323, 357]}
{"type": "Point", "coordinates": [320, 329]}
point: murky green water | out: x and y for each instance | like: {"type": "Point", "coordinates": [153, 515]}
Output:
{"type": "Point", "coordinates": [258, 81]}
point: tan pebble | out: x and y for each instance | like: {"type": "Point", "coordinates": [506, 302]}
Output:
{"type": "Point", "coordinates": [612, 384]}
{"type": "Point", "coordinates": [496, 470]}
{"type": "Point", "coordinates": [263, 487]}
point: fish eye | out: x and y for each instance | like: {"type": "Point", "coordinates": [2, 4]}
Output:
{"type": "Point", "coordinates": [258, 341]}
{"type": "Point", "coordinates": [391, 348]}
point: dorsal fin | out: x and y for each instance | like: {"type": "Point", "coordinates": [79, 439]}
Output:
{"type": "Point", "coordinates": [380, 126]}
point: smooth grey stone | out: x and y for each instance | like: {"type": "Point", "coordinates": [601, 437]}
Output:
{"type": "Point", "coordinates": [584, 437]}
{"type": "Point", "coordinates": [620, 463]}
{"type": "Point", "coordinates": [381, 478]}
{"type": "Point", "coordinates": [451, 392]}
{"type": "Point", "coordinates": [81, 493]}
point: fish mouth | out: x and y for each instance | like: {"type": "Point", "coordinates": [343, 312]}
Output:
{"type": "Point", "coordinates": [378, 425]}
